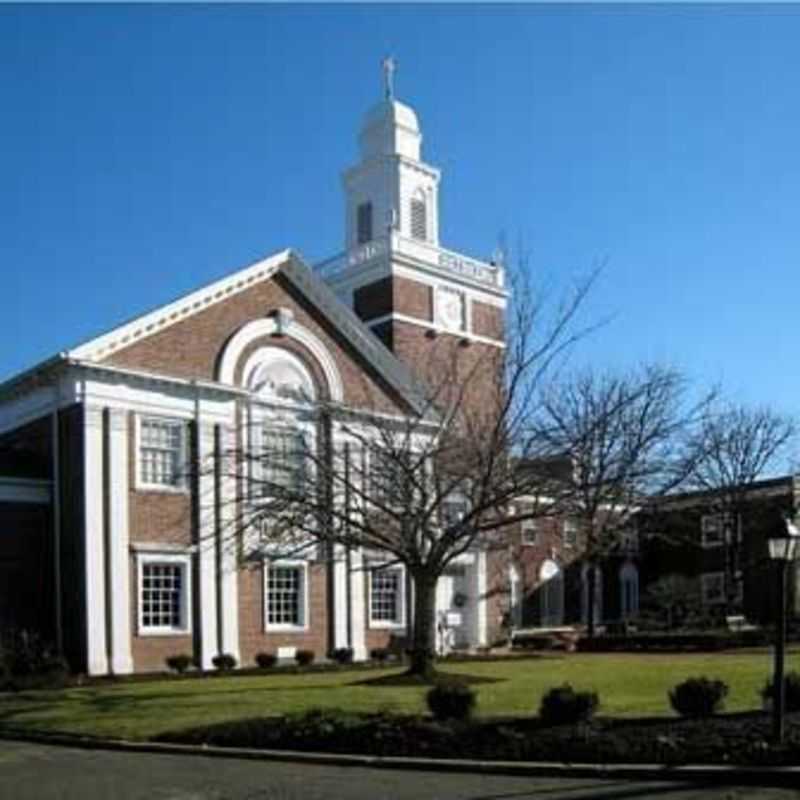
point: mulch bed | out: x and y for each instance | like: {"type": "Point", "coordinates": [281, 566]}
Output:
{"type": "Point", "coordinates": [741, 739]}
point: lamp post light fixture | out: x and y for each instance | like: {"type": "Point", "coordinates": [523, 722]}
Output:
{"type": "Point", "coordinates": [782, 550]}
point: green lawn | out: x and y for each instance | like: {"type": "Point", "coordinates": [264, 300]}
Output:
{"type": "Point", "coordinates": [628, 685]}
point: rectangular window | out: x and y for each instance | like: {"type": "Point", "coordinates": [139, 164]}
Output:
{"type": "Point", "coordinates": [712, 530]}
{"type": "Point", "coordinates": [712, 588]}
{"type": "Point", "coordinates": [419, 222]}
{"type": "Point", "coordinates": [385, 596]}
{"type": "Point", "coordinates": [164, 594]}
{"type": "Point", "coordinates": [364, 223]}
{"type": "Point", "coordinates": [283, 460]}
{"type": "Point", "coordinates": [388, 481]}
{"type": "Point", "coordinates": [162, 444]}
{"type": "Point", "coordinates": [570, 534]}
{"type": "Point", "coordinates": [285, 606]}
{"type": "Point", "coordinates": [530, 531]}
{"type": "Point", "coordinates": [453, 511]}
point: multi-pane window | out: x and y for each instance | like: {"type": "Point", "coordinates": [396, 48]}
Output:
{"type": "Point", "coordinates": [530, 531]}
{"type": "Point", "coordinates": [387, 476]}
{"type": "Point", "coordinates": [712, 528]}
{"type": "Point", "coordinates": [163, 596]}
{"type": "Point", "coordinates": [570, 533]}
{"type": "Point", "coordinates": [453, 511]}
{"type": "Point", "coordinates": [419, 219]}
{"type": "Point", "coordinates": [712, 588]}
{"type": "Point", "coordinates": [364, 223]}
{"type": "Point", "coordinates": [283, 460]}
{"type": "Point", "coordinates": [285, 595]}
{"type": "Point", "coordinates": [385, 596]}
{"type": "Point", "coordinates": [161, 456]}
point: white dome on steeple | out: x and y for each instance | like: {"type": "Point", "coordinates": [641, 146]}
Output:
{"type": "Point", "coordinates": [390, 128]}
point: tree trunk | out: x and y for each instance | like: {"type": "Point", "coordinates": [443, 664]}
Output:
{"type": "Point", "coordinates": [423, 643]}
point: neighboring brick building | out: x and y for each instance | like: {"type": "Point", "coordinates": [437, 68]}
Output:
{"type": "Point", "coordinates": [109, 547]}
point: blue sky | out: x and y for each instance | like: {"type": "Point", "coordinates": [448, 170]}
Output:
{"type": "Point", "coordinates": [146, 150]}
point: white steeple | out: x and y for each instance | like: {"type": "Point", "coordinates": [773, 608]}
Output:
{"type": "Point", "coordinates": [391, 187]}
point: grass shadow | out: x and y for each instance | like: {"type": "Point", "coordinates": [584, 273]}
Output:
{"type": "Point", "coordinates": [404, 679]}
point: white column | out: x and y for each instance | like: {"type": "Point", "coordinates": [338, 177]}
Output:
{"type": "Point", "coordinates": [480, 570]}
{"type": "Point", "coordinates": [229, 562]}
{"type": "Point", "coordinates": [119, 543]}
{"type": "Point", "coordinates": [94, 544]}
{"type": "Point", "coordinates": [206, 545]}
{"type": "Point", "coordinates": [358, 603]}
{"type": "Point", "coordinates": [340, 597]}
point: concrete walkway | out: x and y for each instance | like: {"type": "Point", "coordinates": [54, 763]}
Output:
{"type": "Point", "coordinates": [43, 772]}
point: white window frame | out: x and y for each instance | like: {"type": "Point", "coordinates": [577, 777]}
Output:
{"type": "Point", "coordinates": [285, 627]}
{"type": "Point", "coordinates": [184, 561]}
{"type": "Point", "coordinates": [528, 527]}
{"type": "Point", "coordinates": [706, 580]}
{"type": "Point", "coordinates": [383, 624]}
{"type": "Point", "coordinates": [182, 486]}
{"type": "Point", "coordinates": [570, 531]}
{"type": "Point", "coordinates": [709, 521]}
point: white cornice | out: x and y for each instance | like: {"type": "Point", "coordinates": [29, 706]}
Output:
{"type": "Point", "coordinates": [186, 306]}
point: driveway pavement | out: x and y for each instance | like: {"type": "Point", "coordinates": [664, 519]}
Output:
{"type": "Point", "coordinates": [39, 772]}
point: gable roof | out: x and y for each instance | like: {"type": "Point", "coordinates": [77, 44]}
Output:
{"type": "Point", "coordinates": [292, 266]}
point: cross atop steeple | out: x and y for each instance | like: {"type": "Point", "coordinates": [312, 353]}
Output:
{"type": "Point", "coordinates": [389, 66]}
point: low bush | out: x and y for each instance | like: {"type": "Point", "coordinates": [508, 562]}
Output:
{"type": "Point", "coordinates": [266, 660]}
{"type": "Point", "coordinates": [179, 663]}
{"type": "Point", "coordinates": [791, 693]}
{"type": "Point", "coordinates": [562, 705]}
{"type": "Point", "coordinates": [698, 697]}
{"type": "Point", "coordinates": [342, 655]}
{"type": "Point", "coordinates": [709, 641]}
{"type": "Point", "coordinates": [451, 701]}
{"type": "Point", "coordinates": [224, 662]}
{"type": "Point", "coordinates": [304, 657]}
{"type": "Point", "coordinates": [379, 654]}
{"type": "Point", "coordinates": [28, 661]}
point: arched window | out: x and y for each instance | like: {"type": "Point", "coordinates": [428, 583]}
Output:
{"type": "Point", "coordinates": [419, 216]}
{"type": "Point", "coordinates": [551, 593]}
{"type": "Point", "coordinates": [629, 591]}
{"type": "Point", "coordinates": [598, 595]}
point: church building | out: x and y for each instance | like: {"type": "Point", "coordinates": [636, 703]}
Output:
{"type": "Point", "coordinates": [108, 547]}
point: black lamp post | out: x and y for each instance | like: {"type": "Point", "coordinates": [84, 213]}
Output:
{"type": "Point", "coordinates": [782, 550]}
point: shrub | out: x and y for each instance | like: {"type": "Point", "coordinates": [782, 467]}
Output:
{"type": "Point", "coordinates": [451, 701]}
{"type": "Point", "coordinates": [28, 661]}
{"type": "Point", "coordinates": [304, 657]}
{"type": "Point", "coordinates": [266, 660]}
{"type": "Point", "coordinates": [342, 655]}
{"type": "Point", "coordinates": [791, 693]}
{"type": "Point", "coordinates": [224, 662]}
{"type": "Point", "coordinates": [179, 663]}
{"type": "Point", "coordinates": [698, 697]}
{"type": "Point", "coordinates": [379, 654]}
{"type": "Point", "coordinates": [562, 705]}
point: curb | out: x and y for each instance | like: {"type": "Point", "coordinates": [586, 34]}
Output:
{"type": "Point", "coordinates": [780, 777]}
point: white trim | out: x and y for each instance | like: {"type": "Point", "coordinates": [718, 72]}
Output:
{"type": "Point", "coordinates": [163, 547]}
{"type": "Point", "coordinates": [228, 599]}
{"type": "Point", "coordinates": [269, 326]}
{"type": "Point", "coordinates": [186, 306]}
{"type": "Point", "coordinates": [433, 326]}
{"type": "Point", "coordinates": [25, 490]}
{"type": "Point", "coordinates": [94, 542]}
{"type": "Point", "coordinates": [207, 547]}
{"type": "Point", "coordinates": [182, 487]}
{"type": "Point", "coordinates": [118, 544]}
{"type": "Point", "coordinates": [483, 600]}
{"type": "Point", "coordinates": [718, 521]}
{"type": "Point", "coordinates": [707, 579]}
{"type": "Point", "coordinates": [400, 622]}
{"type": "Point", "coordinates": [358, 610]}
{"type": "Point", "coordinates": [302, 565]}
{"type": "Point", "coordinates": [185, 562]}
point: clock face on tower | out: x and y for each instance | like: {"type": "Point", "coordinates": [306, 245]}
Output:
{"type": "Point", "coordinates": [450, 309]}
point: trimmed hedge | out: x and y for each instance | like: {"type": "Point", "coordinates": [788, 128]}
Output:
{"type": "Point", "coordinates": [698, 697]}
{"type": "Point", "coordinates": [451, 701]}
{"type": "Point", "coordinates": [562, 705]}
{"type": "Point", "coordinates": [676, 642]}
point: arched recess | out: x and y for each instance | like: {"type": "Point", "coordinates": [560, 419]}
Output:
{"type": "Point", "coordinates": [275, 374]}
{"type": "Point", "coordinates": [551, 594]}
{"type": "Point", "coordinates": [598, 594]}
{"type": "Point", "coordinates": [629, 590]}
{"type": "Point", "coordinates": [281, 324]}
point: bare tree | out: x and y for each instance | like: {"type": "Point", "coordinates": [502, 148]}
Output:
{"type": "Point", "coordinates": [738, 446]}
{"type": "Point", "coordinates": [418, 486]}
{"type": "Point", "coordinates": [626, 437]}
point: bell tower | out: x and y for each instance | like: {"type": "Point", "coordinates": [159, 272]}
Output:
{"type": "Point", "coordinates": [412, 292]}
